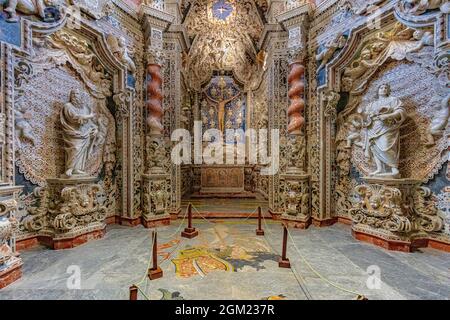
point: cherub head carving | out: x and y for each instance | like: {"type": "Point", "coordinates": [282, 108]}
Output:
{"type": "Point", "coordinates": [384, 90]}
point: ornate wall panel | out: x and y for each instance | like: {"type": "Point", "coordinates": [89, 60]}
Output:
{"type": "Point", "coordinates": [38, 140]}
{"type": "Point", "coordinates": [172, 109]}
{"type": "Point", "coordinates": [351, 47]}
{"type": "Point", "coordinates": [277, 88]}
{"type": "Point", "coordinates": [260, 120]}
{"type": "Point", "coordinates": [46, 68]}
{"type": "Point", "coordinates": [407, 56]}
{"type": "Point", "coordinates": [422, 100]}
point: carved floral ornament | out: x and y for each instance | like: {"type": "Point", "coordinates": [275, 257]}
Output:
{"type": "Point", "coordinates": [155, 56]}
{"type": "Point", "coordinates": [45, 10]}
{"type": "Point", "coordinates": [49, 11]}
{"type": "Point", "coordinates": [296, 199]}
{"type": "Point", "coordinates": [82, 58]}
{"type": "Point", "coordinates": [397, 43]}
{"type": "Point", "coordinates": [408, 7]}
{"type": "Point", "coordinates": [8, 228]}
{"type": "Point", "coordinates": [383, 207]}
{"type": "Point", "coordinates": [65, 209]}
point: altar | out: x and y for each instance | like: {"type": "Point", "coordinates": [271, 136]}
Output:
{"type": "Point", "coordinates": [222, 179]}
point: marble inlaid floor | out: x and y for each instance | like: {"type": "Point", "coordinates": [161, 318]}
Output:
{"type": "Point", "coordinates": [228, 261]}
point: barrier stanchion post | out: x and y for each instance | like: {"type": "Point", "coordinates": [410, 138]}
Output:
{"type": "Point", "coordinates": [259, 231]}
{"type": "Point", "coordinates": [155, 272]}
{"type": "Point", "coordinates": [284, 261]}
{"type": "Point", "coordinates": [189, 232]}
{"type": "Point", "coordinates": [133, 292]}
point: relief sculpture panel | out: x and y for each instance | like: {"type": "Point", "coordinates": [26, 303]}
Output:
{"type": "Point", "coordinates": [39, 134]}
{"type": "Point", "coordinates": [222, 179]}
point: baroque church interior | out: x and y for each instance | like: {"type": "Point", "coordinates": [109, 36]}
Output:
{"type": "Point", "coordinates": [224, 149]}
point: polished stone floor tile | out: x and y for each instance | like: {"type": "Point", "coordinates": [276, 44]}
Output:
{"type": "Point", "coordinates": [228, 261]}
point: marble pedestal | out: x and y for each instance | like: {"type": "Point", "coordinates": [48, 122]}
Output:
{"type": "Point", "coordinates": [397, 214]}
{"type": "Point", "coordinates": [10, 262]}
{"type": "Point", "coordinates": [10, 271]}
{"type": "Point", "coordinates": [155, 200]}
{"type": "Point", "coordinates": [70, 213]}
{"type": "Point", "coordinates": [296, 200]}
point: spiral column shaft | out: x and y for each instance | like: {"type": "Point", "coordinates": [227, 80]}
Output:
{"type": "Point", "coordinates": [154, 99]}
{"type": "Point", "coordinates": [296, 91]}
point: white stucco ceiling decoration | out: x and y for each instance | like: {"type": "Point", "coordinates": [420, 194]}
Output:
{"type": "Point", "coordinates": [224, 33]}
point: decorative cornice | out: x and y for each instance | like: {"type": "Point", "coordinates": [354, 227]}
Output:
{"type": "Point", "coordinates": [324, 5]}
{"type": "Point", "coordinates": [156, 17]}
{"type": "Point", "coordinates": [169, 5]}
{"type": "Point", "coordinates": [180, 30]}
{"type": "Point", "coordinates": [297, 12]}
{"type": "Point", "coordinates": [126, 8]}
{"type": "Point", "coordinates": [6, 190]}
{"type": "Point", "coordinates": [267, 32]}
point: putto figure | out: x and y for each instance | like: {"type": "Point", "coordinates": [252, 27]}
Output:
{"type": "Point", "coordinates": [34, 7]}
{"type": "Point", "coordinates": [383, 119]}
{"type": "Point", "coordinates": [79, 132]}
{"type": "Point", "coordinates": [119, 48]}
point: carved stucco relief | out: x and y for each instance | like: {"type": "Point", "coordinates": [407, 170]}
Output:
{"type": "Point", "coordinates": [42, 157]}
{"type": "Point", "coordinates": [421, 99]}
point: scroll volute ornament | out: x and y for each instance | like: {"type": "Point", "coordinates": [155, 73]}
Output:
{"type": "Point", "coordinates": [296, 90]}
{"type": "Point", "coordinates": [154, 99]}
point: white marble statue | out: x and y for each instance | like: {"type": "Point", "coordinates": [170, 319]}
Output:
{"type": "Point", "coordinates": [354, 124]}
{"type": "Point", "coordinates": [440, 120]}
{"type": "Point", "coordinates": [338, 42]}
{"type": "Point", "coordinates": [119, 48]}
{"type": "Point", "coordinates": [418, 7]}
{"type": "Point", "coordinates": [23, 127]}
{"type": "Point", "coordinates": [79, 132]}
{"type": "Point", "coordinates": [383, 119]}
{"type": "Point", "coordinates": [34, 7]}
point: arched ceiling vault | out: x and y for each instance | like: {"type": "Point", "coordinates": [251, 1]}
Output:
{"type": "Point", "coordinates": [224, 34]}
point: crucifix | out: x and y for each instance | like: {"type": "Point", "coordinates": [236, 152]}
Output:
{"type": "Point", "coordinates": [222, 103]}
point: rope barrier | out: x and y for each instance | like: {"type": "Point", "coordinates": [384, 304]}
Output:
{"type": "Point", "coordinates": [204, 218]}
{"type": "Point", "coordinates": [214, 223]}
{"type": "Point", "coordinates": [177, 231]}
{"type": "Point", "coordinates": [145, 278]}
{"type": "Point", "coordinates": [148, 264]}
{"type": "Point", "coordinates": [267, 226]}
{"type": "Point", "coordinates": [199, 214]}
{"type": "Point", "coordinates": [143, 293]}
{"type": "Point", "coordinates": [300, 279]}
{"type": "Point", "coordinates": [309, 265]}
{"type": "Point", "coordinates": [318, 274]}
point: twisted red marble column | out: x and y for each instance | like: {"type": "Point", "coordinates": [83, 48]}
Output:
{"type": "Point", "coordinates": [154, 99]}
{"type": "Point", "coordinates": [296, 91]}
